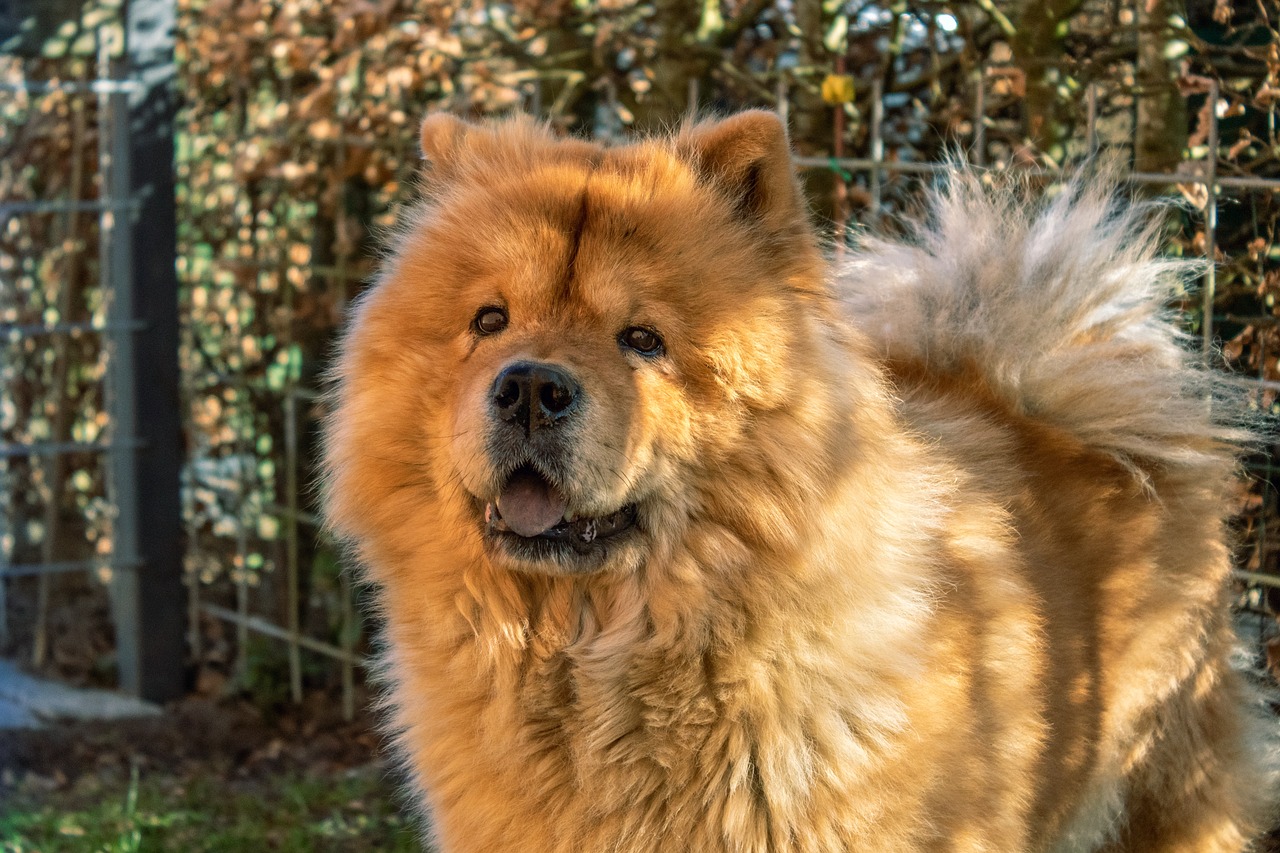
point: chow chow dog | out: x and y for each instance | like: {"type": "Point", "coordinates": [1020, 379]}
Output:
{"type": "Point", "coordinates": [687, 541]}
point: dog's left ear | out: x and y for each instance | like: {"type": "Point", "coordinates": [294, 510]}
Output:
{"type": "Point", "coordinates": [748, 159]}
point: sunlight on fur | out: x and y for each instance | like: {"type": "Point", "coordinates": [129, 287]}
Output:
{"type": "Point", "coordinates": [685, 540]}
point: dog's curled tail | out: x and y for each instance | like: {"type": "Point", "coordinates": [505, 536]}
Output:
{"type": "Point", "coordinates": [1064, 305]}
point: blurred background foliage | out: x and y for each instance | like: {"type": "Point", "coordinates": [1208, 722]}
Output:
{"type": "Point", "coordinates": [297, 144]}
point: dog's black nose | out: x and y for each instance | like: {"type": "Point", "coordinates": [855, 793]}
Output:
{"type": "Point", "coordinates": [534, 396]}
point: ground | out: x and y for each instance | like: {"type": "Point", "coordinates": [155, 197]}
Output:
{"type": "Point", "coordinates": [222, 774]}
{"type": "Point", "coordinates": [208, 777]}
{"type": "Point", "coordinates": [204, 776]}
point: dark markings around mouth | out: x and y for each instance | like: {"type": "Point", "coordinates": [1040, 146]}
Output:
{"type": "Point", "coordinates": [584, 530]}
{"type": "Point", "coordinates": [529, 492]}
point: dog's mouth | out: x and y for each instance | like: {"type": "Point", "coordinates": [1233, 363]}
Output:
{"type": "Point", "coordinates": [530, 510]}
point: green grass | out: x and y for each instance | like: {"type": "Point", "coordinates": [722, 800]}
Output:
{"type": "Point", "coordinates": [149, 811]}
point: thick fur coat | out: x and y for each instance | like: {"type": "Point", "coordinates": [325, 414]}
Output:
{"type": "Point", "coordinates": [686, 542]}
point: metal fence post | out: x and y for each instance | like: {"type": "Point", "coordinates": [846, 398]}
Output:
{"type": "Point", "coordinates": [149, 599]}
{"type": "Point", "coordinates": [1210, 224]}
{"type": "Point", "coordinates": [877, 147]}
{"type": "Point", "coordinates": [980, 118]}
{"type": "Point", "coordinates": [1091, 118]}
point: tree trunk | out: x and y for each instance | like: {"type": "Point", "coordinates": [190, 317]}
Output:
{"type": "Point", "coordinates": [675, 64]}
{"type": "Point", "coordinates": [1161, 127]}
{"type": "Point", "coordinates": [811, 118]}
{"type": "Point", "coordinates": [1038, 48]}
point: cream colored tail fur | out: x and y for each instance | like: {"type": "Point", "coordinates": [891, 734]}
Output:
{"type": "Point", "coordinates": [1064, 305]}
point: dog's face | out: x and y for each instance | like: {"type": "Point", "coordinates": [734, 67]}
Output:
{"type": "Point", "coordinates": [581, 327]}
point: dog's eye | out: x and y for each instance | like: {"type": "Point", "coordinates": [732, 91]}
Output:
{"type": "Point", "coordinates": [642, 340]}
{"type": "Point", "coordinates": [489, 321]}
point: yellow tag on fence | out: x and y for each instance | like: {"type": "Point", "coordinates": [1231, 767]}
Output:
{"type": "Point", "coordinates": [837, 89]}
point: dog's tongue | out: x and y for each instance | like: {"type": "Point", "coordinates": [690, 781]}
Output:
{"type": "Point", "coordinates": [530, 505]}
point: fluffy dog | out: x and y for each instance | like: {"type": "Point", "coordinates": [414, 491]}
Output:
{"type": "Point", "coordinates": [685, 543]}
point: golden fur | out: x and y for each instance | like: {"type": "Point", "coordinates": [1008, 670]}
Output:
{"type": "Point", "coordinates": [928, 553]}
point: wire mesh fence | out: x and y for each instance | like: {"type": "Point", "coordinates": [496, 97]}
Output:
{"type": "Point", "coordinates": [67, 434]}
{"type": "Point", "coordinates": [89, 433]}
{"type": "Point", "coordinates": [266, 276]}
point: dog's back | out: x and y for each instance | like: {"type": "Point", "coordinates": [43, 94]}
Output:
{"type": "Point", "coordinates": [1033, 344]}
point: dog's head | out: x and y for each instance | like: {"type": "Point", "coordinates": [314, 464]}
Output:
{"type": "Point", "coordinates": [571, 340]}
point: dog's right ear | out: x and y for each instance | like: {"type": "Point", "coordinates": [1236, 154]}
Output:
{"type": "Point", "coordinates": [457, 150]}
{"type": "Point", "coordinates": [442, 137]}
